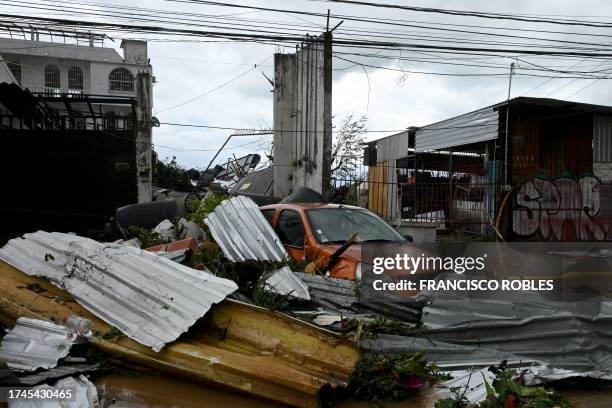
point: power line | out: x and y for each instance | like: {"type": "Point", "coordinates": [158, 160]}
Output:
{"type": "Point", "coordinates": [467, 13]}
{"type": "Point", "coordinates": [215, 88]}
{"type": "Point", "coordinates": [239, 36]}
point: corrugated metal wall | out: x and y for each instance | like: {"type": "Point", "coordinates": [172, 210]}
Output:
{"type": "Point", "coordinates": [389, 150]}
{"type": "Point", "coordinates": [602, 139]}
{"type": "Point", "coordinates": [473, 127]}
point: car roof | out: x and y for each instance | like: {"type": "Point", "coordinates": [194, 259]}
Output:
{"type": "Point", "coordinates": [305, 206]}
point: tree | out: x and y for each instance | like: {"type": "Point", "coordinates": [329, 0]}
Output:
{"type": "Point", "coordinates": [347, 150]}
{"type": "Point", "coordinates": [171, 175]}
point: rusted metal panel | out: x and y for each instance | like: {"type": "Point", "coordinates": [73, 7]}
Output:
{"type": "Point", "coordinates": [602, 139]}
{"type": "Point", "coordinates": [244, 348]}
{"type": "Point", "coordinates": [149, 298]}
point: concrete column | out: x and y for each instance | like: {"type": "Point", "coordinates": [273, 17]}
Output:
{"type": "Point", "coordinates": [144, 162]}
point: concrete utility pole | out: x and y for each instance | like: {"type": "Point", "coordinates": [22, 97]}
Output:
{"type": "Point", "coordinates": [302, 116]}
{"type": "Point", "coordinates": [144, 160]}
{"type": "Point", "coordinates": [507, 135]}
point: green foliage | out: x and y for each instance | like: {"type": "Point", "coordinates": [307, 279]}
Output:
{"type": "Point", "coordinates": [508, 390]}
{"type": "Point", "coordinates": [146, 237]}
{"type": "Point", "coordinates": [458, 401]}
{"type": "Point", "coordinates": [390, 377]}
{"type": "Point", "coordinates": [379, 325]}
{"type": "Point", "coordinates": [209, 254]}
{"type": "Point", "coordinates": [270, 300]}
{"type": "Point", "coordinates": [204, 208]}
{"type": "Point", "coordinates": [169, 174]}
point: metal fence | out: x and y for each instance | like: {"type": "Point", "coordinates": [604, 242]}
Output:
{"type": "Point", "coordinates": [462, 191]}
{"type": "Point", "coordinates": [454, 189]}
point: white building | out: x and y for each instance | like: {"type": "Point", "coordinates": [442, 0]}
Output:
{"type": "Point", "coordinates": [51, 67]}
{"type": "Point", "coordinates": [87, 87]}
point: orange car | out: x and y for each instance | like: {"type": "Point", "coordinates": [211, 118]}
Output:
{"type": "Point", "coordinates": [316, 232]}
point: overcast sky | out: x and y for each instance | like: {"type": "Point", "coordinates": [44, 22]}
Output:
{"type": "Point", "coordinates": [390, 99]}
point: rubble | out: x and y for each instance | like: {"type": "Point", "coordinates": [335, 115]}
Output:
{"type": "Point", "coordinates": [166, 230]}
{"type": "Point", "coordinates": [235, 346]}
{"type": "Point", "coordinates": [149, 298]}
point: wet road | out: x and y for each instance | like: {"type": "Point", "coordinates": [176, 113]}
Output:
{"type": "Point", "coordinates": [139, 390]}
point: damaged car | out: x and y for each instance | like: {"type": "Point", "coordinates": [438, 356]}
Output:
{"type": "Point", "coordinates": [330, 235]}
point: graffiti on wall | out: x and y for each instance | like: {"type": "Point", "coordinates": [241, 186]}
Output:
{"type": "Point", "coordinates": [551, 207]}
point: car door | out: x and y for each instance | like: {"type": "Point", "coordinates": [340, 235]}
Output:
{"type": "Point", "coordinates": [290, 229]}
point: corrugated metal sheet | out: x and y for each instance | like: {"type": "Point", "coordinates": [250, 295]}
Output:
{"type": "Point", "coordinates": [602, 139]}
{"type": "Point", "coordinates": [84, 392]}
{"type": "Point", "coordinates": [283, 281]}
{"type": "Point", "coordinates": [464, 334]}
{"type": "Point", "coordinates": [553, 340]}
{"type": "Point", "coordinates": [34, 344]}
{"type": "Point", "coordinates": [338, 295]}
{"type": "Point", "coordinates": [260, 182]}
{"type": "Point", "coordinates": [149, 298]}
{"type": "Point", "coordinates": [242, 232]}
{"type": "Point", "coordinates": [473, 127]}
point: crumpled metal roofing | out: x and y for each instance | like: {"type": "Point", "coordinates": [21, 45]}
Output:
{"type": "Point", "coordinates": [339, 295]}
{"type": "Point", "coordinates": [243, 233]}
{"type": "Point", "coordinates": [34, 344]}
{"type": "Point", "coordinates": [552, 340]}
{"type": "Point", "coordinates": [149, 298]}
{"type": "Point", "coordinates": [285, 282]}
{"type": "Point", "coordinates": [84, 392]}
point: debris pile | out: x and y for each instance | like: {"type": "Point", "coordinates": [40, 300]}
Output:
{"type": "Point", "coordinates": [214, 296]}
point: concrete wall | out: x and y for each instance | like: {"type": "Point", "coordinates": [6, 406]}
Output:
{"type": "Point", "coordinates": [302, 117]}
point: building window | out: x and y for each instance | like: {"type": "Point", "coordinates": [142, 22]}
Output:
{"type": "Point", "coordinates": [52, 76]}
{"type": "Point", "coordinates": [121, 80]}
{"type": "Point", "coordinates": [15, 69]}
{"type": "Point", "coordinates": [75, 78]}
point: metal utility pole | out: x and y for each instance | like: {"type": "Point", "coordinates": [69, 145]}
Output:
{"type": "Point", "coordinates": [507, 137]}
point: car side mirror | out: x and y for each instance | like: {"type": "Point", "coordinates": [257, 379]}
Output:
{"type": "Point", "coordinates": [408, 238]}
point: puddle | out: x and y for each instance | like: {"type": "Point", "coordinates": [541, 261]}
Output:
{"type": "Point", "coordinates": [138, 390]}
{"type": "Point", "coordinates": [141, 390]}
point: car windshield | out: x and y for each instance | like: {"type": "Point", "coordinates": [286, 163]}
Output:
{"type": "Point", "coordinates": [337, 225]}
